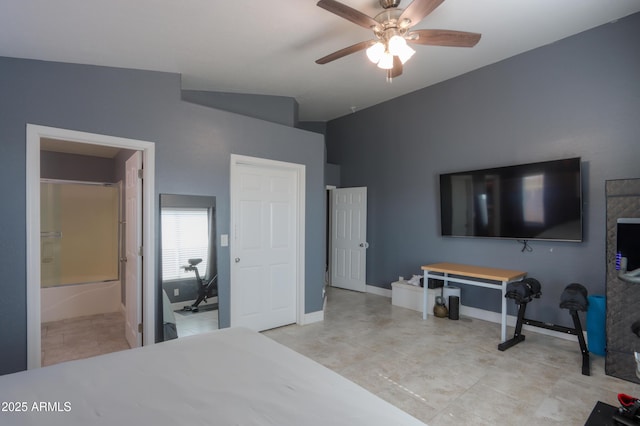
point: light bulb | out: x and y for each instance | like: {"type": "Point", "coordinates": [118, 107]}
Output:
{"type": "Point", "coordinates": [405, 53]}
{"type": "Point", "coordinates": [397, 44]}
{"type": "Point", "coordinates": [386, 62]}
{"type": "Point", "coordinates": [375, 52]}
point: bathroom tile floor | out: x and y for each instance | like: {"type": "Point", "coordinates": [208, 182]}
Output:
{"type": "Point", "coordinates": [82, 337]}
{"type": "Point", "coordinates": [92, 335]}
{"type": "Point", "coordinates": [447, 372]}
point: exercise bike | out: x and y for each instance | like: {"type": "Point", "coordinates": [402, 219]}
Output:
{"type": "Point", "coordinates": [206, 288]}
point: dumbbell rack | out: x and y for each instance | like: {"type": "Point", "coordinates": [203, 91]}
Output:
{"type": "Point", "coordinates": [576, 331]}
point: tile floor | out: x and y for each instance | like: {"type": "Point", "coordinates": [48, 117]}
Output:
{"type": "Point", "coordinates": [92, 335]}
{"type": "Point", "coordinates": [201, 322]}
{"type": "Point", "coordinates": [450, 372]}
{"type": "Point", "coordinates": [82, 337]}
{"type": "Point", "coordinates": [440, 371]}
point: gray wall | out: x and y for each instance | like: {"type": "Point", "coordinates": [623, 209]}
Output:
{"type": "Point", "coordinates": [313, 126]}
{"type": "Point", "coordinates": [332, 174]}
{"type": "Point", "coordinates": [277, 109]}
{"type": "Point", "coordinates": [576, 97]}
{"type": "Point", "coordinates": [59, 165]}
{"type": "Point", "coordinates": [193, 147]}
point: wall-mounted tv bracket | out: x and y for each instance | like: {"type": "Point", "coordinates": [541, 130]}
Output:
{"type": "Point", "coordinates": [573, 298]}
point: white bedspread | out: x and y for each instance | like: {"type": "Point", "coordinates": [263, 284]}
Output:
{"type": "Point", "coordinates": [227, 377]}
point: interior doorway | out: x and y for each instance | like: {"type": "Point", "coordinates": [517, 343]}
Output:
{"type": "Point", "coordinates": [35, 135]}
{"type": "Point", "coordinates": [348, 238]}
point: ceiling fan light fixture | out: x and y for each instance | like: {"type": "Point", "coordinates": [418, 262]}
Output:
{"type": "Point", "coordinates": [375, 52]}
{"type": "Point", "coordinates": [393, 30]}
{"type": "Point", "coordinates": [398, 47]}
{"type": "Point", "coordinates": [405, 54]}
{"type": "Point", "coordinates": [386, 62]}
{"type": "Point", "coordinates": [397, 44]}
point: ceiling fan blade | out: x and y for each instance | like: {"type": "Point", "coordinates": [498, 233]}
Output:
{"type": "Point", "coordinates": [396, 71]}
{"type": "Point", "coordinates": [348, 13]}
{"type": "Point", "coordinates": [445, 38]}
{"type": "Point", "coordinates": [344, 52]}
{"type": "Point", "coordinates": [418, 9]}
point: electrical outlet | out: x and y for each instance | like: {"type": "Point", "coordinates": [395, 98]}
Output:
{"type": "Point", "coordinates": [224, 240]}
{"type": "Point", "coordinates": [176, 292]}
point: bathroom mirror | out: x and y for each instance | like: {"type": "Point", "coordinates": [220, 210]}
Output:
{"type": "Point", "coordinates": [188, 265]}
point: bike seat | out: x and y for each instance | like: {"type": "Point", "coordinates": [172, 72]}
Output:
{"type": "Point", "coordinates": [194, 262]}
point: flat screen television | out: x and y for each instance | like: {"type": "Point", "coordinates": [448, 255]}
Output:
{"type": "Point", "coordinates": [535, 201]}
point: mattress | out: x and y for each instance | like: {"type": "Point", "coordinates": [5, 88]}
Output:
{"type": "Point", "coordinates": [227, 377]}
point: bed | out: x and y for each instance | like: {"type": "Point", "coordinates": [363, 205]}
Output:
{"type": "Point", "coordinates": [227, 377]}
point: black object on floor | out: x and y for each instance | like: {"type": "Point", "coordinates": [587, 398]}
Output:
{"type": "Point", "coordinates": [202, 308]}
{"type": "Point", "coordinates": [608, 415]}
{"type": "Point", "coordinates": [602, 415]}
{"type": "Point", "coordinates": [573, 298]}
{"type": "Point", "coordinates": [454, 307]}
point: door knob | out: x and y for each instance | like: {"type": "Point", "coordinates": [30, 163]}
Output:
{"type": "Point", "coordinates": [237, 259]}
{"type": "Point", "coordinates": [364, 245]}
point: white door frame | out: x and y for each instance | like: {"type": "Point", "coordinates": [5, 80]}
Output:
{"type": "Point", "coordinates": [299, 170]}
{"type": "Point", "coordinates": [34, 134]}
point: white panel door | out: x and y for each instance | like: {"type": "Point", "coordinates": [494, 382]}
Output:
{"type": "Point", "coordinates": [263, 253]}
{"type": "Point", "coordinates": [349, 238]}
{"type": "Point", "coordinates": [133, 242]}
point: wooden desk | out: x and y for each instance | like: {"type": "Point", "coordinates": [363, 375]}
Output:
{"type": "Point", "coordinates": [441, 271]}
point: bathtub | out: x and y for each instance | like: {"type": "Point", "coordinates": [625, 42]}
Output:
{"type": "Point", "coordinates": [71, 301]}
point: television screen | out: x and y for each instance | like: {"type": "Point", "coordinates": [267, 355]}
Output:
{"type": "Point", "coordinates": [536, 201]}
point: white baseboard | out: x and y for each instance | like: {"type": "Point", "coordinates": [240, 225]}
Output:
{"type": "Point", "coordinates": [312, 317]}
{"type": "Point", "coordinates": [378, 290]}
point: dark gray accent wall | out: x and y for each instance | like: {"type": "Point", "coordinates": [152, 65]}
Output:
{"type": "Point", "coordinates": [313, 126]}
{"type": "Point", "coordinates": [193, 147]}
{"type": "Point", "coordinates": [277, 109]}
{"type": "Point", "coordinates": [332, 174]}
{"type": "Point", "coordinates": [577, 97]}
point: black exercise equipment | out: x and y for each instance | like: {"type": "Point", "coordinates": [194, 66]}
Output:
{"type": "Point", "coordinates": [573, 298]}
{"type": "Point", "coordinates": [208, 288]}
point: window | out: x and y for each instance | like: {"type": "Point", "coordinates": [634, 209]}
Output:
{"type": "Point", "coordinates": [185, 235]}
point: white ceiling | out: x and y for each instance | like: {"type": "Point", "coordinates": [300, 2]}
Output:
{"type": "Point", "coordinates": [269, 47]}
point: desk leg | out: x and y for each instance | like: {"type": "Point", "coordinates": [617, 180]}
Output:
{"type": "Point", "coordinates": [425, 295]}
{"type": "Point", "coordinates": [503, 331]}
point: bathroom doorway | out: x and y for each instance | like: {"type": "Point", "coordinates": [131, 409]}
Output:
{"type": "Point", "coordinates": [39, 136]}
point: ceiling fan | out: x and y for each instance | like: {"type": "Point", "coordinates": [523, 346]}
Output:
{"type": "Point", "coordinates": [392, 29]}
